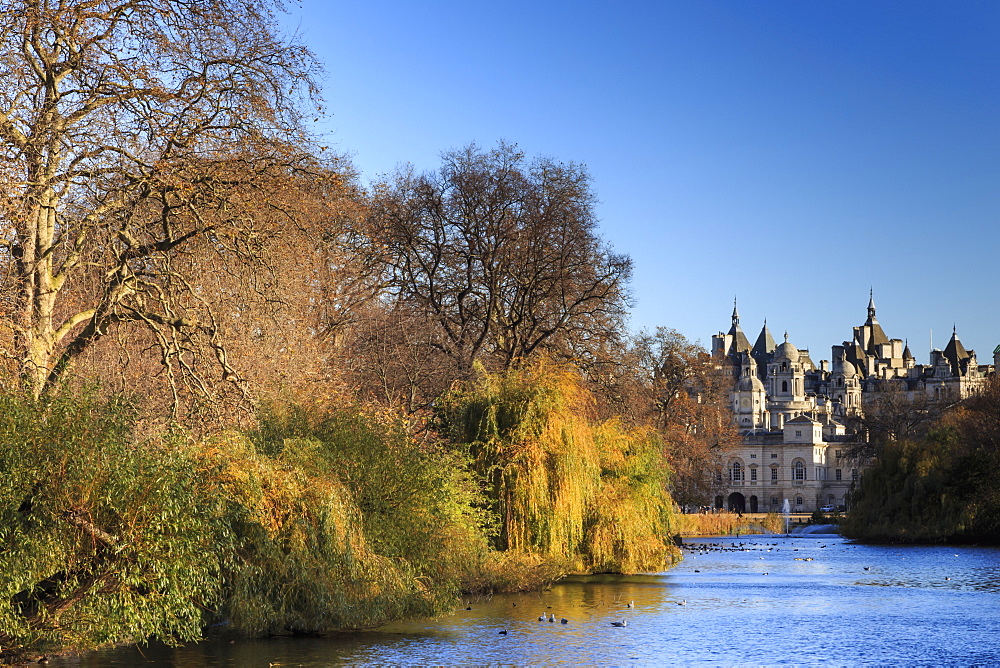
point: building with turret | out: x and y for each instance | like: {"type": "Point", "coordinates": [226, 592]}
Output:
{"type": "Point", "coordinates": [794, 416]}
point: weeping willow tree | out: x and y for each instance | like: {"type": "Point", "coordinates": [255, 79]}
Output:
{"type": "Point", "coordinates": [590, 495]}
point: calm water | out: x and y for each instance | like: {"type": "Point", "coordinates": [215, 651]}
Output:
{"type": "Point", "coordinates": [746, 601]}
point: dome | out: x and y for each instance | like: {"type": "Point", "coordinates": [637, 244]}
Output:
{"type": "Point", "coordinates": [749, 383]}
{"type": "Point", "coordinates": [848, 369]}
{"type": "Point", "coordinates": [786, 351]}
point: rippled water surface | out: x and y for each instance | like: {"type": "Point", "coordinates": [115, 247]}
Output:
{"type": "Point", "coordinates": [745, 601]}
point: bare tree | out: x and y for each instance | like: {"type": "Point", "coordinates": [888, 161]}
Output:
{"type": "Point", "coordinates": [501, 255]}
{"type": "Point", "coordinates": [144, 144]}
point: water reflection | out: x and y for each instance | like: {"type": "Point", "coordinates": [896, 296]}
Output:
{"type": "Point", "coordinates": [765, 600]}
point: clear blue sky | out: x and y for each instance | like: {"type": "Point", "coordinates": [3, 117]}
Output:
{"type": "Point", "coordinates": [790, 153]}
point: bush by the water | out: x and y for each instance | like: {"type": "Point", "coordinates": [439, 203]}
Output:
{"type": "Point", "coordinates": [319, 519]}
{"type": "Point", "coordinates": [592, 496]}
{"type": "Point", "coordinates": [339, 522]}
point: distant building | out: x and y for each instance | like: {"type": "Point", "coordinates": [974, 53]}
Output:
{"type": "Point", "coordinates": [793, 415]}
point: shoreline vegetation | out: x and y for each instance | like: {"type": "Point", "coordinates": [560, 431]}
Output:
{"type": "Point", "coordinates": [728, 524]}
{"type": "Point", "coordinates": [318, 518]}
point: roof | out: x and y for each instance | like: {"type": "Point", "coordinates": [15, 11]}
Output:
{"type": "Point", "coordinates": [956, 353]}
{"type": "Point", "coordinates": [765, 342]}
{"type": "Point", "coordinates": [802, 419]}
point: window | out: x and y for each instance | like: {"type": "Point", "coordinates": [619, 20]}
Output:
{"type": "Point", "coordinates": [798, 433]}
{"type": "Point", "coordinates": [774, 455]}
{"type": "Point", "coordinates": [784, 386]}
{"type": "Point", "coordinates": [798, 500]}
{"type": "Point", "coordinates": [774, 473]}
{"type": "Point", "coordinates": [854, 475]}
{"type": "Point", "coordinates": [753, 473]}
{"type": "Point", "coordinates": [736, 472]}
{"type": "Point", "coordinates": [799, 471]}
{"type": "Point", "coordinates": [836, 453]}
{"type": "Point", "coordinates": [753, 456]}
{"type": "Point", "coordinates": [839, 474]}
{"type": "Point", "coordinates": [774, 501]}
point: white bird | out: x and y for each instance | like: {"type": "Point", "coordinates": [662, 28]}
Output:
{"type": "Point", "coordinates": [552, 617]}
{"type": "Point", "coordinates": [620, 624]}
{"type": "Point", "coordinates": [631, 604]}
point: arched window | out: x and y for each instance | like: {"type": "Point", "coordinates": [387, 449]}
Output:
{"type": "Point", "coordinates": [784, 386]}
{"type": "Point", "coordinates": [799, 471]}
{"type": "Point", "coordinates": [736, 472]}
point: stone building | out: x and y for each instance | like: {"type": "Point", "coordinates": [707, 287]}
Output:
{"type": "Point", "coordinates": [793, 416]}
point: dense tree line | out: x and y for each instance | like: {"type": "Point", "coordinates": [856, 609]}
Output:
{"type": "Point", "coordinates": [938, 487]}
{"type": "Point", "coordinates": [239, 387]}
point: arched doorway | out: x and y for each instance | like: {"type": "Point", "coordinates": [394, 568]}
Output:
{"type": "Point", "coordinates": [718, 502]}
{"type": "Point", "coordinates": [737, 503]}
{"type": "Point", "coordinates": [753, 504]}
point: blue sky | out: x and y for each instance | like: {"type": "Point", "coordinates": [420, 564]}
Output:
{"type": "Point", "coordinates": [791, 153]}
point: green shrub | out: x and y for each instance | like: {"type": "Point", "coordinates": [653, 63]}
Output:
{"type": "Point", "coordinates": [417, 501]}
{"type": "Point", "coordinates": [101, 540]}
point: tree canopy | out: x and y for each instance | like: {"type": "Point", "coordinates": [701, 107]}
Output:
{"type": "Point", "coordinates": [144, 144]}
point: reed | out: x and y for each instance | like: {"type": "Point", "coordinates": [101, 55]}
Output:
{"type": "Point", "coordinates": [727, 524]}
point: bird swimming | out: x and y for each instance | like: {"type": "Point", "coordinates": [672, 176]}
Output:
{"type": "Point", "coordinates": [620, 624]}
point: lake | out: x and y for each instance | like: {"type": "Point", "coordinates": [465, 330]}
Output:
{"type": "Point", "coordinates": [753, 600]}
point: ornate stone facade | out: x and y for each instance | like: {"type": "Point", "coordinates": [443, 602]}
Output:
{"type": "Point", "coordinates": [793, 416]}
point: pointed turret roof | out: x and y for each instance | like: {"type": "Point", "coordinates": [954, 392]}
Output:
{"type": "Point", "coordinates": [740, 342]}
{"type": "Point", "coordinates": [907, 355]}
{"type": "Point", "coordinates": [956, 353]}
{"type": "Point", "coordinates": [765, 342]}
{"type": "Point", "coordinates": [878, 335]}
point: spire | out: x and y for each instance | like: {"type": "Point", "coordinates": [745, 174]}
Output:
{"type": "Point", "coordinates": [956, 353]}
{"type": "Point", "coordinates": [736, 314]}
{"type": "Point", "coordinates": [871, 304]}
{"type": "Point", "coordinates": [765, 342]}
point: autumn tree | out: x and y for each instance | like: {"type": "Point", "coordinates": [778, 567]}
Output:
{"type": "Point", "coordinates": [500, 254]}
{"type": "Point", "coordinates": [144, 144]}
{"type": "Point", "coordinates": [679, 389]}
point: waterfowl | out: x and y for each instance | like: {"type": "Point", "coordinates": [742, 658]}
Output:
{"type": "Point", "coordinates": [631, 604]}
{"type": "Point", "coordinates": [503, 632]}
{"type": "Point", "coordinates": [564, 621]}
{"type": "Point", "coordinates": [620, 624]}
{"type": "Point", "coordinates": [552, 617]}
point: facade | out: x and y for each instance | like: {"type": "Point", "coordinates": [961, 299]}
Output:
{"type": "Point", "coordinates": [794, 416]}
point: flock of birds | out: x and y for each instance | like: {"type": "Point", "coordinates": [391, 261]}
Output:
{"type": "Point", "coordinates": [551, 618]}
{"type": "Point", "coordinates": [699, 549]}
